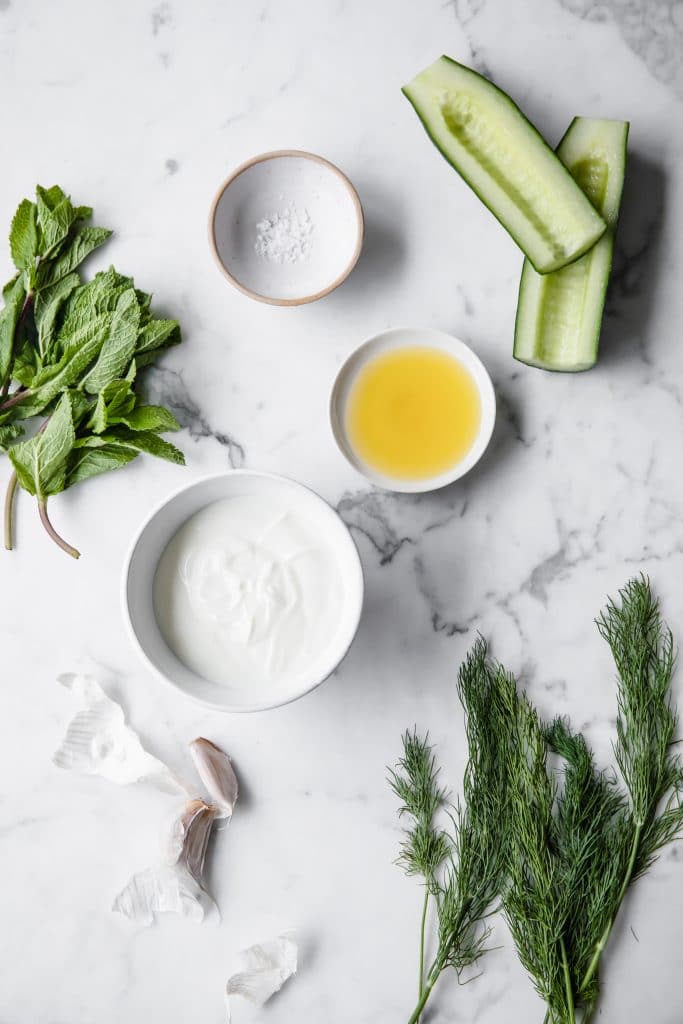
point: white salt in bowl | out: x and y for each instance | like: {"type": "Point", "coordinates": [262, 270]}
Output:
{"type": "Point", "coordinates": [286, 227]}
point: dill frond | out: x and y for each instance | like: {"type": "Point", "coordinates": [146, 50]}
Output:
{"type": "Point", "coordinates": [414, 780]}
{"type": "Point", "coordinates": [461, 867]}
{"type": "Point", "coordinates": [643, 650]}
{"type": "Point", "coordinates": [531, 893]}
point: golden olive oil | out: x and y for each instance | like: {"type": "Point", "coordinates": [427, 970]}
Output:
{"type": "Point", "coordinates": [413, 412]}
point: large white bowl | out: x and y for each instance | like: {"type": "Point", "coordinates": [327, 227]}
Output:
{"type": "Point", "coordinates": [149, 544]}
{"type": "Point", "coordinates": [402, 337]}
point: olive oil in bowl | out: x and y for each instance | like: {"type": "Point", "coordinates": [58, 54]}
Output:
{"type": "Point", "coordinates": [413, 410]}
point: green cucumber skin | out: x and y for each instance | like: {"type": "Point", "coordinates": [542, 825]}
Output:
{"type": "Point", "coordinates": [546, 268]}
{"type": "Point", "coordinates": [591, 332]}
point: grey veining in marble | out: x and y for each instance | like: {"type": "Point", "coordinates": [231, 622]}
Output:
{"type": "Point", "coordinates": [652, 28]}
{"type": "Point", "coordinates": [141, 110]}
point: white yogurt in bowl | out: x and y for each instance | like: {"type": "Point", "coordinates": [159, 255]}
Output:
{"type": "Point", "coordinates": [243, 590]}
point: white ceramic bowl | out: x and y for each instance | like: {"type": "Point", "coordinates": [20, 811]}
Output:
{"type": "Point", "coordinates": [401, 337]}
{"type": "Point", "coordinates": [153, 537]}
{"type": "Point", "coordinates": [280, 185]}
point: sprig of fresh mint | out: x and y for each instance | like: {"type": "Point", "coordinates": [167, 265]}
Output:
{"type": "Point", "coordinates": [73, 350]}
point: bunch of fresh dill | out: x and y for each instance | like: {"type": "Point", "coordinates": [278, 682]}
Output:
{"type": "Point", "coordinates": [565, 843]}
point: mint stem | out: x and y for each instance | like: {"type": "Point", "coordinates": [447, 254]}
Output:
{"type": "Point", "coordinates": [9, 504]}
{"type": "Point", "coordinates": [14, 399]}
{"type": "Point", "coordinates": [59, 541]}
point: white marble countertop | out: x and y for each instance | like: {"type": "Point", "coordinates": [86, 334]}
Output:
{"type": "Point", "coordinates": [140, 111]}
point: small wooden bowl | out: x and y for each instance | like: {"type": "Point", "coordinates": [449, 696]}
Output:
{"type": "Point", "coordinates": [270, 188]}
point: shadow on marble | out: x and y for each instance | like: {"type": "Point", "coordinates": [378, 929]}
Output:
{"type": "Point", "coordinates": [636, 270]}
{"type": "Point", "coordinates": [384, 246]}
{"type": "Point", "coordinates": [245, 799]}
{"type": "Point", "coordinates": [394, 631]}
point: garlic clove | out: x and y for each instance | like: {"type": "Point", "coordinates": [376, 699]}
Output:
{"type": "Point", "coordinates": [216, 772]}
{"type": "Point", "coordinates": [191, 835]}
{"type": "Point", "coordinates": [176, 887]}
{"type": "Point", "coordinates": [262, 971]}
{"type": "Point", "coordinates": [98, 741]}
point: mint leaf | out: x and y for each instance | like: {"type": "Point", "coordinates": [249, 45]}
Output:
{"type": "Point", "coordinates": [9, 318]}
{"type": "Point", "coordinates": [81, 243]}
{"type": "Point", "coordinates": [14, 289]}
{"type": "Point", "coordinates": [9, 287]}
{"type": "Point", "coordinates": [23, 237]}
{"type": "Point", "coordinates": [49, 303]}
{"type": "Point", "coordinates": [93, 441]}
{"type": "Point", "coordinates": [119, 346]}
{"type": "Point", "coordinates": [88, 462]}
{"type": "Point", "coordinates": [10, 432]}
{"type": "Point", "coordinates": [114, 403]}
{"type": "Point", "coordinates": [53, 196]}
{"type": "Point", "coordinates": [81, 351]}
{"type": "Point", "coordinates": [117, 405]}
{"type": "Point", "coordinates": [27, 364]}
{"type": "Point", "coordinates": [99, 295]}
{"type": "Point", "coordinates": [145, 441]}
{"type": "Point", "coordinates": [158, 334]}
{"type": "Point", "coordinates": [98, 421]}
{"type": "Point", "coordinates": [55, 217]}
{"type": "Point", "coordinates": [145, 301]}
{"type": "Point", "coordinates": [40, 462]}
{"type": "Point", "coordinates": [153, 418]}
{"type": "Point", "coordinates": [81, 407]}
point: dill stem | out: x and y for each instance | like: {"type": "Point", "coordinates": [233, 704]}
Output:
{"type": "Point", "coordinates": [602, 942]}
{"type": "Point", "coordinates": [423, 926]}
{"type": "Point", "coordinates": [568, 984]}
{"type": "Point", "coordinates": [415, 1016]}
{"type": "Point", "coordinates": [432, 978]}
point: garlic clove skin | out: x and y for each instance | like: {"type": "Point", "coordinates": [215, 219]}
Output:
{"type": "Point", "coordinates": [99, 742]}
{"type": "Point", "coordinates": [216, 772]}
{"type": "Point", "coordinates": [176, 887]}
{"type": "Point", "coordinates": [262, 971]}
{"type": "Point", "coordinates": [165, 889]}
